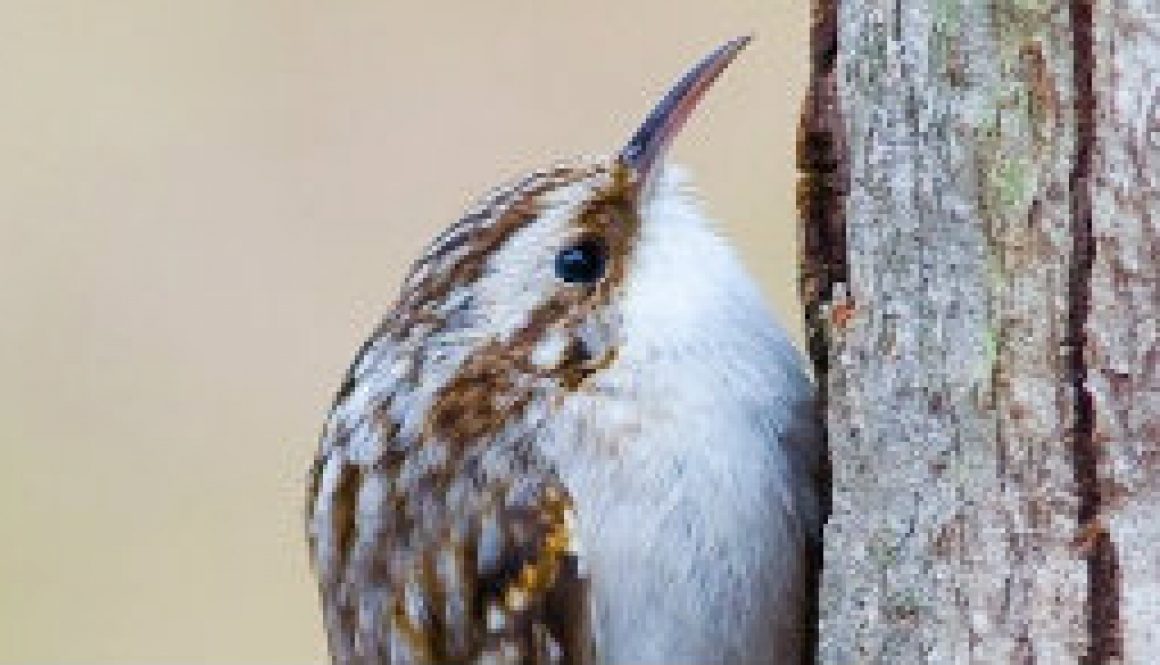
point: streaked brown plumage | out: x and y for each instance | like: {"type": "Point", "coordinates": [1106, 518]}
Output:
{"type": "Point", "coordinates": [469, 567]}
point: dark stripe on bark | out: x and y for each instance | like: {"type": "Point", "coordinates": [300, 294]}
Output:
{"type": "Point", "coordinates": [1104, 594]}
{"type": "Point", "coordinates": [821, 197]}
{"type": "Point", "coordinates": [822, 188]}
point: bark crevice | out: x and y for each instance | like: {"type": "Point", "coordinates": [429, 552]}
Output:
{"type": "Point", "coordinates": [1105, 639]}
{"type": "Point", "coordinates": [822, 187]}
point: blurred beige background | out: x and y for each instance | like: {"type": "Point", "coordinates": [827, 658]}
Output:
{"type": "Point", "coordinates": [205, 206]}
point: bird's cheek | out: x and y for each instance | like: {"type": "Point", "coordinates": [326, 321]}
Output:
{"type": "Point", "coordinates": [550, 350]}
{"type": "Point", "coordinates": [597, 339]}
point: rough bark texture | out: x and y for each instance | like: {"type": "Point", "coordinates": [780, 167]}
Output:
{"type": "Point", "coordinates": [1122, 333]}
{"type": "Point", "coordinates": [980, 270]}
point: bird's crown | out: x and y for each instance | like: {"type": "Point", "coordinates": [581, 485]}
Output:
{"type": "Point", "coordinates": [515, 296]}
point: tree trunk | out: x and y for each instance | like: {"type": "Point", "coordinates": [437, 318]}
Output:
{"type": "Point", "coordinates": [981, 273]}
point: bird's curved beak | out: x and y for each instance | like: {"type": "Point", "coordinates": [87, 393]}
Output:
{"type": "Point", "coordinates": [645, 150]}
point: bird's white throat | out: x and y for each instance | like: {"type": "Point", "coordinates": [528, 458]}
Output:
{"type": "Point", "coordinates": [680, 456]}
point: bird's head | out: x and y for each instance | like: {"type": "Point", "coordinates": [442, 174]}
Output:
{"type": "Point", "coordinates": [551, 280]}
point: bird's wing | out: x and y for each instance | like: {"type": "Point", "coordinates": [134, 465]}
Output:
{"type": "Point", "coordinates": [421, 563]}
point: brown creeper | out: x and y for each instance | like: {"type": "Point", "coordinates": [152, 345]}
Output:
{"type": "Point", "coordinates": [579, 437]}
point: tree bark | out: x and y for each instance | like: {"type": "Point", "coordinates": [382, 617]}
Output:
{"type": "Point", "coordinates": [981, 274]}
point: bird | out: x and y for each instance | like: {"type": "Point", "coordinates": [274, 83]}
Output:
{"type": "Point", "coordinates": [578, 437]}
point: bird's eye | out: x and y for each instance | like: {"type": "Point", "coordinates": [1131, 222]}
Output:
{"type": "Point", "coordinates": [582, 262]}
